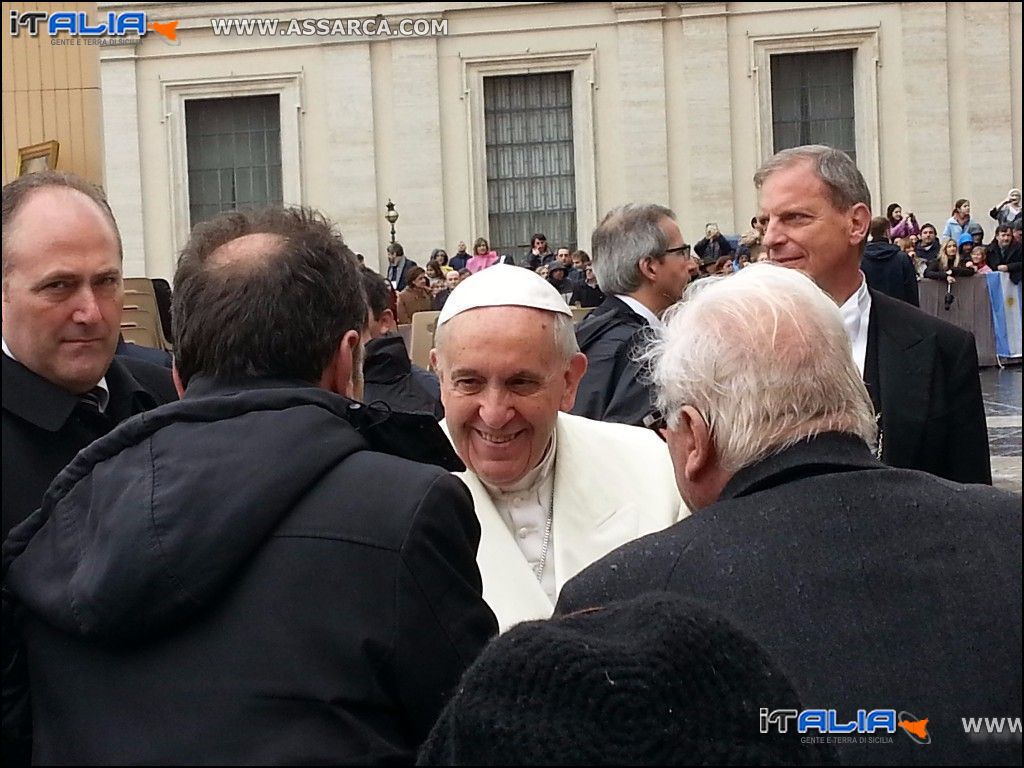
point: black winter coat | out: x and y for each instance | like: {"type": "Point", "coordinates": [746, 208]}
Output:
{"type": "Point", "coordinates": [830, 560]}
{"type": "Point", "coordinates": [43, 427]}
{"type": "Point", "coordinates": [240, 578]}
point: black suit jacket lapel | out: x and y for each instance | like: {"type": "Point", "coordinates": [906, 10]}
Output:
{"type": "Point", "coordinates": [905, 359]}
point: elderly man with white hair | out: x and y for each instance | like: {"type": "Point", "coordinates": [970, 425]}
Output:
{"type": "Point", "coordinates": [553, 492]}
{"type": "Point", "coordinates": [873, 588]}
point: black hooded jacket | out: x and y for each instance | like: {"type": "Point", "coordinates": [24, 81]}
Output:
{"type": "Point", "coordinates": [390, 377]}
{"type": "Point", "coordinates": [612, 388]}
{"type": "Point", "coordinates": [240, 577]}
{"type": "Point", "coordinates": [889, 270]}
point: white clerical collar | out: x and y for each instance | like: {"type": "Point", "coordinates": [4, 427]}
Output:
{"type": "Point", "coordinates": [532, 479]}
{"type": "Point", "coordinates": [102, 383]}
{"type": "Point", "coordinates": [855, 312]}
{"type": "Point", "coordinates": [652, 319]}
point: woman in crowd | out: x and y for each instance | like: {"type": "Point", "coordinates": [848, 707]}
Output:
{"type": "Point", "coordinates": [415, 297]}
{"type": "Point", "coordinates": [483, 256]}
{"type": "Point", "coordinates": [946, 265]}
{"type": "Point", "coordinates": [900, 226]}
{"type": "Point", "coordinates": [958, 222]}
{"type": "Point", "coordinates": [978, 262]}
{"type": "Point", "coordinates": [908, 246]}
{"type": "Point", "coordinates": [440, 255]}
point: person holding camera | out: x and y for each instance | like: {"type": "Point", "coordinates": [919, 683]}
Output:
{"type": "Point", "coordinates": [1009, 210]}
{"type": "Point", "coordinates": [713, 245]}
{"type": "Point", "coordinates": [900, 225]}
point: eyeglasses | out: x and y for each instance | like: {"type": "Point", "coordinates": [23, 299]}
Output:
{"type": "Point", "coordinates": [681, 249]}
{"type": "Point", "coordinates": [655, 420]}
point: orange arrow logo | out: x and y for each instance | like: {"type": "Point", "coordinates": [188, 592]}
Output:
{"type": "Point", "coordinates": [168, 29]}
{"type": "Point", "coordinates": [918, 728]}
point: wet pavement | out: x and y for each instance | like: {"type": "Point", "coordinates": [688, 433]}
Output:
{"type": "Point", "coordinates": [1001, 390]}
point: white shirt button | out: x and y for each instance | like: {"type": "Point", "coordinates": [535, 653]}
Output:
{"type": "Point", "coordinates": [524, 532]}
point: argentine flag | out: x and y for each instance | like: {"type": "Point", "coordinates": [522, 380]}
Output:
{"type": "Point", "coordinates": [1005, 298]}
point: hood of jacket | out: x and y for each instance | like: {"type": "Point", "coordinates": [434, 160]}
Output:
{"type": "Point", "coordinates": [387, 359]}
{"type": "Point", "coordinates": [880, 250]}
{"type": "Point", "coordinates": [612, 314]}
{"type": "Point", "coordinates": [151, 523]}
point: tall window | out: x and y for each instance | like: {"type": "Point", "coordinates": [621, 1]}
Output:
{"type": "Point", "coordinates": [812, 100]}
{"type": "Point", "coordinates": [531, 181]}
{"type": "Point", "coordinates": [234, 154]}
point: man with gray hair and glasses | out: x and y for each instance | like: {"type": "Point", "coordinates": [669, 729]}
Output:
{"type": "Point", "coordinates": [641, 263]}
{"type": "Point", "coordinates": [921, 372]}
{"type": "Point", "coordinates": [829, 559]}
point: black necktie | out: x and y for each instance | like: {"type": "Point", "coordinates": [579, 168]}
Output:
{"type": "Point", "coordinates": [89, 412]}
{"type": "Point", "coordinates": [92, 400]}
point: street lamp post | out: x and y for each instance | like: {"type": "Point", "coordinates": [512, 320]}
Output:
{"type": "Point", "coordinates": [392, 217]}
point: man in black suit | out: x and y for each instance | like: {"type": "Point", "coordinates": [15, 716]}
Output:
{"type": "Point", "coordinates": [398, 266]}
{"type": "Point", "coordinates": [246, 576]}
{"type": "Point", "coordinates": [62, 297]}
{"type": "Point", "coordinates": [873, 588]}
{"type": "Point", "coordinates": [641, 263]}
{"type": "Point", "coordinates": [921, 372]}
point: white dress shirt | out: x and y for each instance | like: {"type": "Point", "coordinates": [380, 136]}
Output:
{"type": "Point", "coordinates": [652, 319]}
{"type": "Point", "coordinates": [524, 507]}
{"type": "Point", "coordinates": [855, 314]}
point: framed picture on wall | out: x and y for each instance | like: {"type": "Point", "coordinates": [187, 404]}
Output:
{"type": "Point", "coordinates": [38, 157]}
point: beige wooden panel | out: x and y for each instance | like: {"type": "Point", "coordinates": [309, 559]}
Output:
{"type": "Point", "coordinates": [10, 156]}
{"type": "Point", "coordinates": [24, 137]}
{"type": "Point", "coordinates": [63, 62]}
{"type": "Point", "coordinates": [33, 54]}
{"type": "Point", "coordinates": [35, 116]}
{"type": "Point", "coordinates": [76, 150]}
{"type": "Point", "coordinates": [19, 62]}
{"type": "Point", "coordinates": [7, 59]}
{"type": "Point", "coordinates": [74, 58]}
{"type": "Point", "coordinates": [48, 126]}
{"type": "Point", "coordinates": [49, 56]}
{"type": "Point", "coordinates": [92, 115]}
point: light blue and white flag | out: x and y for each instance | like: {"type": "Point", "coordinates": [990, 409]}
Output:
{"type": "Point", "coordinates": [1005, 298]}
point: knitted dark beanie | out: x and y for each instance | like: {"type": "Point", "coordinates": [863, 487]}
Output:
{"type": "Point", "coordinates": [656, 680]}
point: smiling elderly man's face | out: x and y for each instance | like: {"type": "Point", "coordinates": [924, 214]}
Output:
{"type": "Point", "coordinates": [503, 382]}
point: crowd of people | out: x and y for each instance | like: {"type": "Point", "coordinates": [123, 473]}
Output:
{"type": "Point", "coordinates": [297, 547]}
{"type": "Point", "coordinates": [898, 253]}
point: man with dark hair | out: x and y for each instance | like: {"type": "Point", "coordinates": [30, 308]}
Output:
{"type": "Point", "coordinates": [398, 266]}
{"type": "Point", "coordinates": [62, 297]}
{"type": "Point", "coordinates": [921, 372]}
{"type": "Point", "coordinates": [927, 247]}
{"type": "Point", "coordinates": [1003, 254]}
{"type": "Point", "coordinates": [389, 375]}
{"type": "Point", "coordinates": [246, 576]}
{"type": "Point", "coordinates": [641, 262]}
{"type": "Point", "coordinates": [886, 267]}
{"type": "Point", "coordinates": [539, 251]}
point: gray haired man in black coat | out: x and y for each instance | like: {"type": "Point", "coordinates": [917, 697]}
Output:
{"type": "Point", "coordinates": [879, 590]}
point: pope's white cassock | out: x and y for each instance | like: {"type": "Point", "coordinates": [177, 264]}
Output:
{"type": "Point", "coordinates": [612, 484]}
